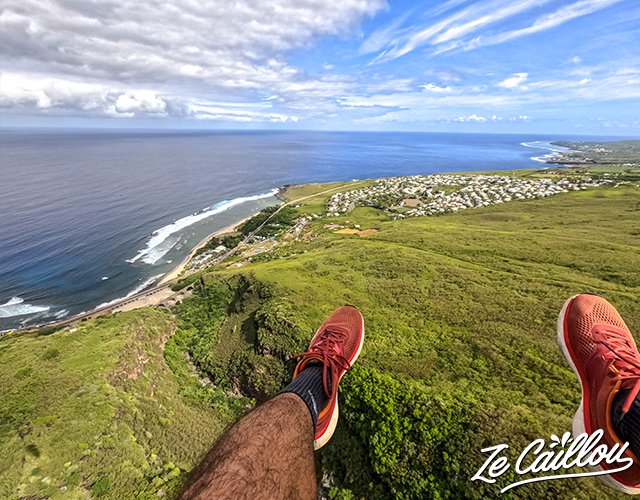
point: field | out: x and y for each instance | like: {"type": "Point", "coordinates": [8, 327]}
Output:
{"type": "Point", "coordinates": [460, 354]}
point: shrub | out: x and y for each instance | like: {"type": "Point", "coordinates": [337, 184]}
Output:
{"type": "Point", "coordinates": [101, 487]}
{"type": "Point", "coordinates": [416, 441]}
{"type": "Point", "coordinates": [32, 450]}
{"type": "Point", "coordinates": [50, 353]}
{"type": "Point", "coordinates": [273, 224]}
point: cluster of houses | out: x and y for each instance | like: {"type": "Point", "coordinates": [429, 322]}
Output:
{"type": "Point", "coordinates": [436, 194]}
{"type": "Point", "coordinates": [216, 255]}
{"type": "Point", "coordinates": [301, 223]}
{"type": "Point", "coordinates": [208, 258]}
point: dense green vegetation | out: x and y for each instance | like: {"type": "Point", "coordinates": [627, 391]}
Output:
{"type": "Point", "coordinates": [461, 309]}
{"type": "Point", "coordinates": [230, 240]}
{"type": "Point", "coordinates": [460, 354]}
{"type": "Point", "coordinates": [274, 223]}
{"type": "Point", "coordinates": [235, 332]}
{"type": "Point", "coordinates": [275, 220]}
{"type": "Point", "coordinates": [95, 411]}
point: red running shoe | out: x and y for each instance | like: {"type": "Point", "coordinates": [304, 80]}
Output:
{"type": "Point", "coordinates": [336, 345]}
{"type": "Point", "coordinates": [600, 349]}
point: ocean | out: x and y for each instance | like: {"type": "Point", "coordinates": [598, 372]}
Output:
{"type": "Point", "coordinates": [92, 216]}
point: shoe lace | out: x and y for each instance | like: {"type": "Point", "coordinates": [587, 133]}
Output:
{"type": "Point", "coordinates": [326, 350]}
{"type": "Point", "coordinates": [626, 359]}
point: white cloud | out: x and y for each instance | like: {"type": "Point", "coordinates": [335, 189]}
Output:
{"type": "Point", "coordinates": [395, 41]}
{"type": "Point", "coordinates": [493, 104]}
{"type": "Point", "coordinates": [474, 118]}
{"type": "Point", "coordinates": [514, 81]}
{"type": "Point", "coordinates": [23, 92]}
{"type": "Point", "coordinates": [99, 56]}
{"type": "Point", "coordinates": [140, 101]}
{"type": "Point", "coordinates": [471, 118]}
{"type": "Point", "coordinates": [551, 20]}
{"type": "Point", "coordinates": [467, 28]}
{"type": "Point", "coordinates": [446, 75]}
{"type": "Point", "coordinates": [220, 60]}
{"type": "Point", "coordinates": [438, 89]}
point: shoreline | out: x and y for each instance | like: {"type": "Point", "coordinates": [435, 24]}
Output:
{"type": "Point", "coordinates": [174, 273]}
{"type": "Point", "coordinates": [152, 294]}
{"type": "Point", "coordinates": [160, 290]}
{"type": "Point", "coordinates": [182, 266]}
{"type": "Point", "coordinates": [149, 296]}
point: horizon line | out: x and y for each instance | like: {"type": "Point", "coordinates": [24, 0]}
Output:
{"type": "Point", "coordinates": [285, 130]}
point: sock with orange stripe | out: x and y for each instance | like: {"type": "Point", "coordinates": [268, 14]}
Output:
{"type": "Point", "coordinates": [308, 385]}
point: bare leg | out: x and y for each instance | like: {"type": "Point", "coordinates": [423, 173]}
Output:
{"type": "Point", "coordinates": [267, 454]}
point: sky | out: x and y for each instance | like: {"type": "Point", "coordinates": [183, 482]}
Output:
{"type": "Point", "coordinates": [494, 66]}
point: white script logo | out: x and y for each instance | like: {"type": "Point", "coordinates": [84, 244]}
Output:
{"type": "Point", "coordinates": [563, 454]}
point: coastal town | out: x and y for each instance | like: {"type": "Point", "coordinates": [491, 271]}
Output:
{"type": "Point", "coordinates": [398, 197]}
{"type": "Point", "coordinates": [625, 154]}
{"type": "Point", "coordinates": [410, 196]}
{"type": "Point", "coordinates": [423, 195]}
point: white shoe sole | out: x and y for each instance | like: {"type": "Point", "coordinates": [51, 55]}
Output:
{"type": "Point", "coordinates": [324, 439]}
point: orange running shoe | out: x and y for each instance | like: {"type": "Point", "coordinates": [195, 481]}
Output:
{"type": "Point", "coordinates": [603, 354]}
{"type": "Point", "coordinates": [336, 346]}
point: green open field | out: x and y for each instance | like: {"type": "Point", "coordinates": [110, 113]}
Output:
{"type": "Point", "coordinates": [460, 354]}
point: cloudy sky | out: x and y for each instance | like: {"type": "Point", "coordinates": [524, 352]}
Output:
{"type": "Point", "coordinates": [459, 65]}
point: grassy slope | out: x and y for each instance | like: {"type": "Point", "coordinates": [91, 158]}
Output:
{"type": "Point", "coordinates": [460, 307]}
{"type": "Point", "coordinates": [97, 410]}
{"type": "Point", "coordinates": [468, 302]}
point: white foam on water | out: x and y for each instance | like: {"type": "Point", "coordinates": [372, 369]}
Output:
{"type": "Point", "coordinates": [542, 159]}
{"type": "Point", "coordinates": [157, 246]}
{"type": "Point", "coordinates": [16, 307]}
{"type": "Point", "coordinates": [61, 313]}
{"type": "Point", "coordinates": [154, 254]}
{"type": "Point", "coordinates": [546, 146]}
{"type": "Point", "coordinates": [139, 288]}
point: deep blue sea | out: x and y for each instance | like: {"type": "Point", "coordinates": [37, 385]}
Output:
{"type": "Point", "coordinates": [91, 216]}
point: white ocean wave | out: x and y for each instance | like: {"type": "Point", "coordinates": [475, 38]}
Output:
{"type": "Point", "coordinates": [61, 313]}
{"type": "Point", "coordinates": [16, 307]}
{"type": "Point", "coordinates": [160, 243]}
{"type": "Point", "coordinates": [542, 159]}
{"type": "Point", "coordinates": [555, 150]}
{"type": "Point", "coordinates": [155, 253]}
{"type": "Point", "coordinates": [139, 288]}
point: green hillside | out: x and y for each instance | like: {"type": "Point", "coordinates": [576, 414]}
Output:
{"type": "Point", "coordinates": [460, 354]}
{"type": "Point", "coordinates": [96, 410]}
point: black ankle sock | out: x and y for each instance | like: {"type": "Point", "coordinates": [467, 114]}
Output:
{"type": "Point", "coordinates": [308, 385]}
{"type": "Point", "coordinates": [627, 425]}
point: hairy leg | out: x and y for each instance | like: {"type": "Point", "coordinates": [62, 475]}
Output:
{"type": "Point", "coordinates": [267, 454]}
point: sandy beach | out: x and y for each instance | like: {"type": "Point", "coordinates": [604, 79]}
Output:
{"type": "Point", "coordinates": [179, 269]}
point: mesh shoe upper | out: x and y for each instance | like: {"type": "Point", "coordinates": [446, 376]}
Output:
{"type": "Point", "coordinates": [336, 346]}
{"type": "Point", "coordinates": [606, 360]}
